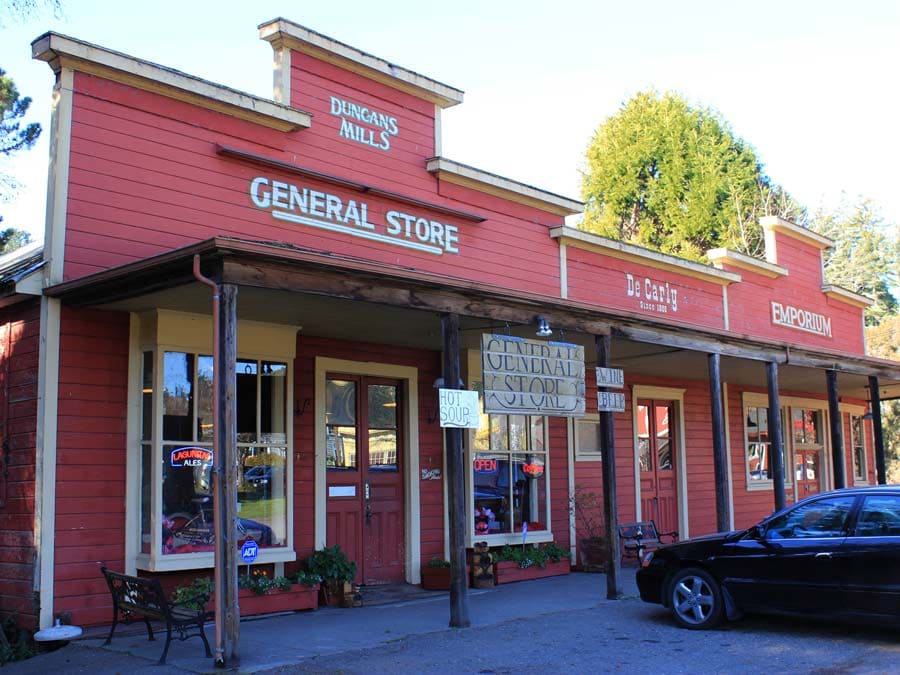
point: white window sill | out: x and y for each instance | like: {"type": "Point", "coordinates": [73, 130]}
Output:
{"type": "Point", "coordinates": [755, 486]}
{"type": "Point", "coordinates": [206, 560]}
{"type": "Point", "coordinates": [588, 457]}
{"type": "Point", "coordinates": [533, 537]}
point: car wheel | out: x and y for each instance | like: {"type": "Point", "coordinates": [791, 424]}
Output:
{"type": "Point", "coordinates": [695, 599]}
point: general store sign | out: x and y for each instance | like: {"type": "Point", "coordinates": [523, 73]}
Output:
{"type": "Point", "coordinates": [800, 319]}
{"type": "Point", "coordinates": [325, 211]}
{"type": "Point", "coordinates": [532, 377]}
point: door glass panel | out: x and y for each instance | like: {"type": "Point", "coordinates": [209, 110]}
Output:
{"type": "Point", "coordinates": [340, 424]}
{"type": "Point", "coordinates": [879, 517]}
{"type": "Point", "coordinates": [340, 447]}
{"type": "Point", "coordinates": [822, 518]}
{"type": "Point", "coordinates": [383, 450]}
{"type": "Point", "coordinates": [529, 492]}
{"type": "Point", "coordinates": [382, 406]}
{"type": "Point", "coordinates": [807, 426]}
{"type": "Point", "coordinates": [340, 402]}
{"type": "Point", "coordinates": [812, 465]}
{"type": "Point", "coordinates": [643, 423]}
{"type": "Point", "coordinates": [662, 421]}
{"type": "Point", "coordinates": [664, 453]}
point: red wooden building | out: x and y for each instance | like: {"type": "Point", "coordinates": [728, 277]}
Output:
{"type": "Point", "coordinates": [340, 240]}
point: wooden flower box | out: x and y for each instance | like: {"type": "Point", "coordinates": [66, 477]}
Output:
{"type": "Point", "coordinates": [508, 571]}
{"type": "Point", "coordinates": [438, 578]}
{"type": "Point", "coordinates": [298, 597]}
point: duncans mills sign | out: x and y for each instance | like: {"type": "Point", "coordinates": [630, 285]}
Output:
{"type": "Point", "coordinates": [532, 377]}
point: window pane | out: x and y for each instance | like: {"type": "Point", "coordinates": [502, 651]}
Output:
{"type": "Point", "coordinates": [643, 424]}
{"type": "Point", "coordinates": [662, 421]}
{"type": "Point", "coordinates": [178, 396]}
{"type": "Point", "coordinates": [146, 487]}
{"type": "Point", "coordinates": [518, 429]}
{"type": "Point", "coordinates": [272, 402]}
{"type": "Point", "coordinates": [340, 402]}
{"type": "Point", "coordinates": [491, 485]}
{"type": "Point", "coordinates": [340, 447]}
{"type": "Point", "coordinates": [644, 454]}
{"type": "Point", "coordinates": [246, 400]}
{"type": "Point", "coordinates": [383, 450]}
{"type": "Point", "coordinates": [537, 434]}
{"type": "Point", "coordinates": [206, 416]}
{"type": "Point", "coordinates": [587, 435]}
{"type": "Point", "coordinates": [758, 461]}
{"type": "Point", "coordinates": [879, 517]}
{"type": "Point", "coordinates": [262, 496]}
{"type": "Point", "coordinates": [147, 398]}
{"type": "Point", "coordinates": [664, 454]}
{"type": "Point", "coordinates": [817, 519]}
{"type": "Point", "coordinates": [529, 492]}
{"type": "Point", "coordinates": [499, 426]}
{"type": "Point", "coordinates": [382, 406]}
{"type": "Point", "coordinates": [859, 448]}
{"type": "Point", "coordinates": [187, 499]}
{"type": "Point", "coordinates": [807, 426]}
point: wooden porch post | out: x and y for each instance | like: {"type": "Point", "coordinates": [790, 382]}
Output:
{"type": "Point", "coordinates": [226, 381]}
{"type": "Point", "coordinates": [720, 461]}
{"type": "Point", "coordinates": [837, 431]}
{"type": "Point", "coordinates": [608, 466]}
{"type": "Point", "coordinates": [456, 503]}
{"type": "Point", "coordinates": [776, 442]}
{"type": "Point", "coordinates": [878, 429]}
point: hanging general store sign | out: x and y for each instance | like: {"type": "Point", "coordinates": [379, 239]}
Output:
{"type": "Point", "coordinates": [800, 319]}
{"type": "Point", "coordinates": [325, 211]}
{"type": "Point", "coordinates": [532, 377]}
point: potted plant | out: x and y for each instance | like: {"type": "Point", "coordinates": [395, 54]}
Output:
{"type": "Point", "coordinates": [520, 563]}
{"type": "Point", "coordinates": [587, 507]}
{"type": "Point", "coordinates": [258, 593]}
{"type": "Point", "coordinates": [335, 570]}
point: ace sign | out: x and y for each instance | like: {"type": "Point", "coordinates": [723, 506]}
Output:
{"type": "Point", "coordinates": [459, 408]}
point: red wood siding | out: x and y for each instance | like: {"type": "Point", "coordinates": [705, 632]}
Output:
{"type": "Point", "coordinates": [145, 178]}
{"type": "Point", "coordinates": [750, 301]}
{"type": "Point", "coordinates": [19, 349]}
{"type": "Point", "coordinates": [620, 284]}
{"type": "Point", "coordinates": [91, 459]}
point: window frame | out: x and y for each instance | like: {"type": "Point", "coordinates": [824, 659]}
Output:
{"type": "Point", "coordinates": [754, 400]}
{"type": "Point", "coordinates": [582, 455]}
{"type": "Point", "coordinates": [257, 341]}
{"type": "Point", "coordinates": [863, 477]}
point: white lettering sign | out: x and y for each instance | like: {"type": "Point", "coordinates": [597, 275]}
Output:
{"type": "Point", "coordinates": [610, 377]}
{"type": "Point", "coordinates": [296, 204]}
{"type": "Point", "coordinates": [610, 401]}
{"type": "Point", "coordinates": [531, 377]}
{"type": "Point", "coordinates": [800, 319]}
{"type": "Point", "coordinates": [459, 408]}
{"type": "Point", "coordinates": [378, 130]}
{"type": "Point", "coordinates": [655, 296]}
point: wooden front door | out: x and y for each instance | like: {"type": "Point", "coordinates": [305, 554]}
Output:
{"type": "Point", "coordinates": [656, 456]}
{"type": "Point", "coordinates": [807, 471]}
{"type": "Point", "coordinates": [363, 453]}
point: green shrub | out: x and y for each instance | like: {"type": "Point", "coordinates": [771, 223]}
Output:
{"type": "Point", "coordinates": [527, 556]}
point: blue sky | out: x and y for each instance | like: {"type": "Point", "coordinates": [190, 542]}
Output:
{"type": "Point", "coordinates": [811, 85]}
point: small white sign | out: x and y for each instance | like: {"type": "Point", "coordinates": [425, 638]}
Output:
{"type": "Point", "coordinates": [341, 490]}
{"type": "Point", "coordinates": [611, 377]}
{"type": "Point", "coordinates": [610, 401]}
{"type": "Point", "coordinates": [459, 408]}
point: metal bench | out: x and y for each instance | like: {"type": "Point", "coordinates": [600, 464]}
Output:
{"type": "Point", "coordinates": [138, 599]}
{"type": "Point", "coordinates": [642, 535]}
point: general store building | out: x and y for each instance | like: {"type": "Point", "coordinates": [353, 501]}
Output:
{"type": "Point", "coordinates": [342, 243]}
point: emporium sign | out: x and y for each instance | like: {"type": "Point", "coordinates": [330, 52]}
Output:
{"type": "Point", "coordinates": [800, 319]}
{"type": "Point", "coordinates": [325, 211]}
{"type": "Point", "coordinates": [532, 377]}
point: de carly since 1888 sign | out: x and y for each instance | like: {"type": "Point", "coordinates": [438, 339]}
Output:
{"type": "Point", "coordinates": [532, 377]}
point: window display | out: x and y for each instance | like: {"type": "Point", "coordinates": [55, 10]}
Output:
{"type": "Point", "coordinates": [758, 446]}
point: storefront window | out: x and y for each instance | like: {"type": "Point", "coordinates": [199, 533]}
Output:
{"type": "Point", "coordinates": [858, 446]}
{"type": "Point", "coordinates": [509, 475]}
{"type": "Point", "coordinates": [758, 445]}
{"type": "Point", "coordinates": [806, 426]}
{"type": "Point", "coordinates": [188, 453]}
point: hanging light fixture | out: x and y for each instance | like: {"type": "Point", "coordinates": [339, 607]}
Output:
{"type": "Point", "coordinates": [868, 414]}
{"type": "Point", "coordinates": [543, 327]}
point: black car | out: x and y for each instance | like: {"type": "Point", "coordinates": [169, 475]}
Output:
{"type": "Point", "coordinates": [836, 554]}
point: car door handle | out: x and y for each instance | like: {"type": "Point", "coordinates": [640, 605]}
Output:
{"type": "Point", "coordinates": [823, 556]}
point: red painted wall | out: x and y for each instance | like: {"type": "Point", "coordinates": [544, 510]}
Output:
{"type": "Point", "coordinates": [91, 459]}
{"type": "Point", "coordinates": [19, 358]}
{"type": "Point", "coordinates": [604, 281]}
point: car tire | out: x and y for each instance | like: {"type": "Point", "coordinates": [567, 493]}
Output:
{"type": "Point", "coordinates": [695, 599]}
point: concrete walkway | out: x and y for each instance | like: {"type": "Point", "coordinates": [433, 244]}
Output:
{"type": "Point", "coordinates": [279, 641]}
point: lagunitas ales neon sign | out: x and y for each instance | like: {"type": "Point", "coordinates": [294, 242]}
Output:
{"type": "Point", "coordinates": [326, 211]}
{"type": "Point", "coordinates": [190, 457]}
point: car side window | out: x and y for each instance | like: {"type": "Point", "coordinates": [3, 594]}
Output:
{"type": "Point", "coordinates": [821, 518]}
{"type": "Point", "coordinates": [879, 517]}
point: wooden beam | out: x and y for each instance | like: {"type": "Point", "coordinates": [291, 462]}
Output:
{"type": "Point", "coordinates": [776, 441]}
{"type": "Point", "coordinates": [226, 381]}
{"type": "Point", "coordinates": [685, 339]}
{"type": "Point", "coordinates": [606, 432]}
{"type": "Point", "coordinates": [720, 460]}
{"type": "Point", "coordinates": [878, 431]}
{"type": "Point", "coordinates": [456, 487]}
{"type": "Point", "coordinates": [837, 432]}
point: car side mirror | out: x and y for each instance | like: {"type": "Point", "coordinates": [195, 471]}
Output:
{"type": "Point", "coordinates": [759, 532]}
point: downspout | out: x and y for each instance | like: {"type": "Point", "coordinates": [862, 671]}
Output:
{"type": "Point", "coordinates": [219, 577]}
